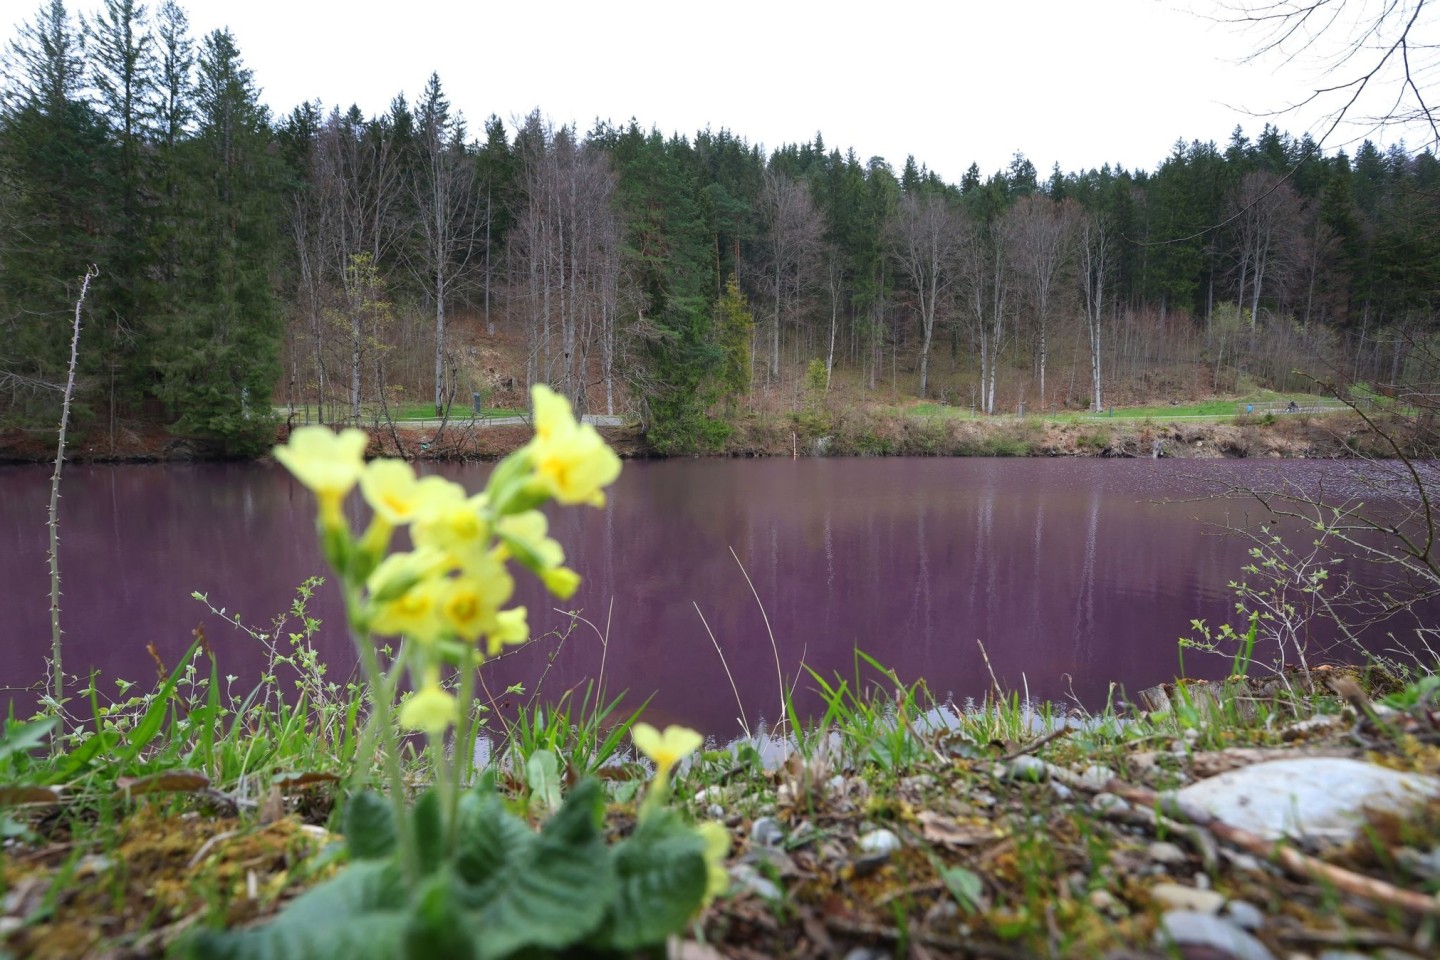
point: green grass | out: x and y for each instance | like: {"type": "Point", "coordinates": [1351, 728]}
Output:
{"type": "Point", "coordinates": [426, 411]}
{"type": "Point", "coordinates": [1217, 410]}
{"type": "Point", "coordinates": [882, 753]}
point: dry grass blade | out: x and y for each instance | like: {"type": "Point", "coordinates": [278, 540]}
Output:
{"type": "Point", "coordinates": [744, 721]}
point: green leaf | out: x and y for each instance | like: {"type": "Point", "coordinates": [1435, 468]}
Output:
{"type": "Point", "coordinates": [548, 890]}
{"type": "Point", "coordinates": [965, 886]}
{"type": "Point", "coordinates": [436, 926]}
{"type": "Point", "coordinates": [79, 759]}
{"type": "Point", "coordinates": [359, 915]}
{"type": "Point", "coordinates": [662, 877]}
{"type": "Point", "coordinates": [542, 771]}
{"type": "Point", "coordinates": [149, 725]}
{"type": "Point", "coordinates": [369, 826]}
{"type": "Point", "coordinates": [25, 737]}
{"type": "Point", "coordinates": [429, 831]}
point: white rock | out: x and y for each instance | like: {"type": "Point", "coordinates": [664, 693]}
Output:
{"type": "Point", "coordinates": [748, 878]}
{"type": "Point", "coordinates": [1096, 776]}
{"type": "Point", "coordinates": [1309, 798]}
{"type": "Point", "coordinates": [766, 832]}
{"type": "Point", "coordinates": [880, 841]}
{"type": "Point", "coordinates": [1031, 769]}
{"type": "Point", "coordinates": [1244, 915]}
{"type": "Point", "coordinates": [1105, 802]}
{"type": "Point", "coordinates": [1162, 851]}
{"type": "Point", "coordinates": [1182, 928]}
{"type": "Point", "coordinates": [1174, 896]}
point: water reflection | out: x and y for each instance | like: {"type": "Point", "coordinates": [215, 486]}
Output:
{"type": "Point", "coordinates": [1071, 573]}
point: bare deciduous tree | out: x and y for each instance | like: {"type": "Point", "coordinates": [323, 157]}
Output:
{"type": "Point", "coordinates": [1038, 233]}
{"type": "Point", "coordinates": [794, 229]}
{"type": "Point", "coordinates": [1265, 218]}
{"type": "Point", "coordinates": [1096, 252]}
{"type": "Point", "coordinates": [451, 223]}
{"type": "Point", "coordinates": [1383, 52]}
{"type": "Point", "coordinates": [564, 256]}
{"type": "Point", "coordinates": [925, 238]}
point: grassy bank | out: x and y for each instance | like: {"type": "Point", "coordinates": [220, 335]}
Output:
{"type": "Point", "coordinates": [1218, 427]}
{"type": "Point", "coordinates": [892, 822]}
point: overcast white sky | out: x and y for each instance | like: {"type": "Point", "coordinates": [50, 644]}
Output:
{"type": "Point", "coordinates": [1078, 82]}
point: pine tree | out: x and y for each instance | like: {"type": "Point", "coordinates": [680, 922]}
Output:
{"type": "Point", "coordinates": [54, 209]}
{"type": "Point", "coordinates": [221, 360]}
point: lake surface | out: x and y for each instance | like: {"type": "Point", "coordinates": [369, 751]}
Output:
{"type": "Point", "coordinates": [1072, 573]}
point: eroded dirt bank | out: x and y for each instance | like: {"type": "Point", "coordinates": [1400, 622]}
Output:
{"type": "Point", "coordinates": [843, 433]}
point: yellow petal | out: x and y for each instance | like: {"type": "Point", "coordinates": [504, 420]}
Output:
{"type": "Point", "coordinates": [391, 490]}
{"type": "Point", "coordinates": [562, 582]}
{"type": "Point", "coordinates": [510, 628]}
{"type": "Point", "coordinates": [326, 462]}
{"type": "Point", "coordinates": [430, 709]}
{"type": "Point", "coordinates": [668, 748]}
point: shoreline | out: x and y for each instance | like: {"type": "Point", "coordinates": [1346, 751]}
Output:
{"type": "Point", "coordinates": [846, 433]}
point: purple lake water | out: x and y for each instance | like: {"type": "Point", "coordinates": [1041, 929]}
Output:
{"type": "Point", "coordinates": [1073, 574]}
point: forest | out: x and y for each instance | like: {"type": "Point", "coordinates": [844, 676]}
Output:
{"type": "Point", "coordinates": [342, 262]}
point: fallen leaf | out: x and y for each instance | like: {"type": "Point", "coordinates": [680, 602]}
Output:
{"type": "Point", "coordinates": [937, 828]}
{"type": "Point", "coordinates": [11, 796]}
{"type": "Point", "coordinates": [171, 781]}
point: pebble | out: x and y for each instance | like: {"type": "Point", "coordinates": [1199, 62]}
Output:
{"type": "Point", "coordinates": [1426, 866]}
{"type": "Point", "coordinates": [1174, 896]}
{"type": "Point", "coordinates": [1105, 802]}
{"type": "Point", "coordinates": [748, 878]}
{"type": "Point", "coordinates": [712, 794]}
{"type": "Point", "coordinates": [715, 811]}
{"type": "Point", "coordinates": [1244, 915]}
{"type": "Point", "coordinates": [1102, 900]}
{"type": "Point", "coordinates": [1162, 851]}
{"type": "Point", "coordinates": [1342, 955]}
{"type": "Point", "coordinates": [880, 841]}
{"type": "Point", "coordinates": [1096, 776]}
{"type": "Point", "coordinates": [767, 832]}
{"type": "Point", "coordinates": [1061, 791]}
{"type": "Point", "coordinates": [1182, 928]}
{"type": "Point", "coordinates": [921, 781]}
{"type": "Point", "coordinates": [1032, 769]}
{"type": "Point", "coordinates": [865, 953]}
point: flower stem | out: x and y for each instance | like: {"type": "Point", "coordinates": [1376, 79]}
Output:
{"type": "Point", "coordinates": [382, 696]}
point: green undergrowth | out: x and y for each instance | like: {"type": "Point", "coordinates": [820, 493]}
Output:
{"type": "Point", "coordinates": [986, 855]}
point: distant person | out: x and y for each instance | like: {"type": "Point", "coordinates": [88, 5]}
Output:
{"type": "Point", "coordinates": [1292, 408]}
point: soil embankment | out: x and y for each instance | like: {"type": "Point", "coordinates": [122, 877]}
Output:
{"type": "Point", "coordinates": [837, 433]}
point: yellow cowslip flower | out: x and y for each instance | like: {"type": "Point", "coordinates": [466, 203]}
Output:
{"type": "Point", "coordinates": [326, 462]}
{"type": "Point", "coordinates": [571, 460]}
{"type": "Point", "coordinates": [717, 847]}
{"type": "Point", "coordinates": [529, 529]}
{"type": "Point", "coordinates": [398, 572]}
{"type": "Point", "coordinates": [666, 749]}
{"type": "Point", "coordinates": [450, 522]}
{"type": "Point", "coordinates": [430, 709]}
{"type": "Point", "coordinates": [392, 491]}
{"type": "Point", "coordinates": [561, 581]}
{"type": "Point", "coordinates": [405, 592]}
{"type": "Point", "coordinates": [510, 629]}
{"type": "Point", "coordinates": [469, 602]}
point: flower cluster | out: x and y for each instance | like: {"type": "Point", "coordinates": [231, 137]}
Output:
{"type": "Point", "coordinates": [450, 591]}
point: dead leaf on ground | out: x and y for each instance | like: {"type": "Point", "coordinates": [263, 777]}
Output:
{"type": "Point", "coordinates": [937, 828]}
